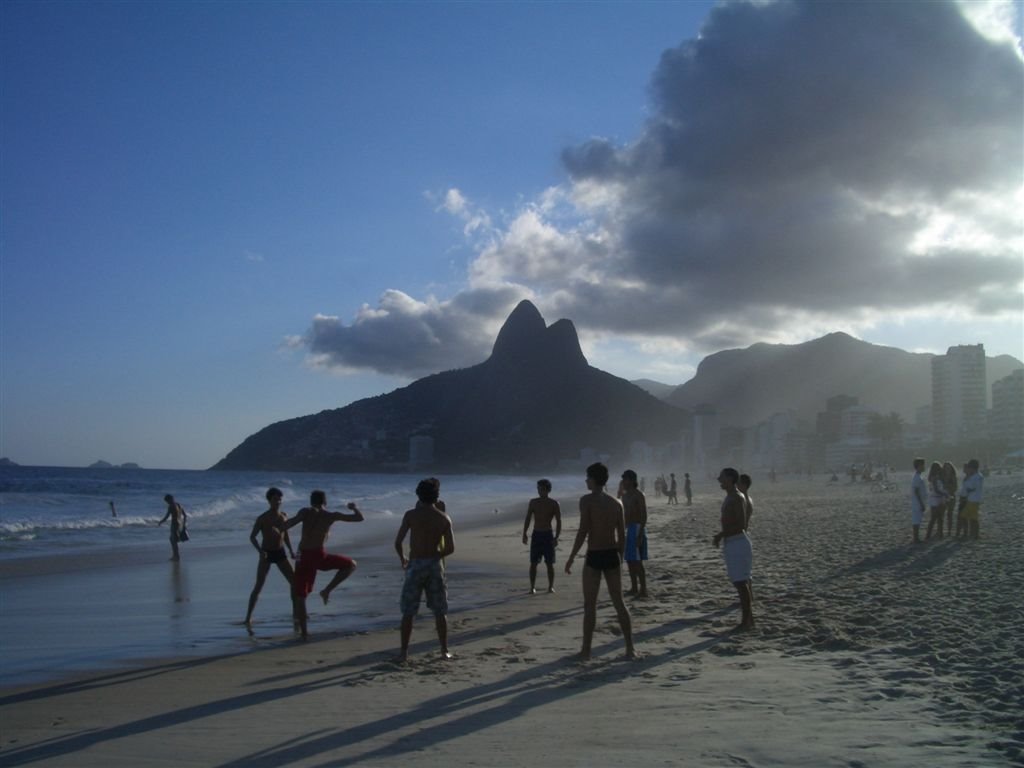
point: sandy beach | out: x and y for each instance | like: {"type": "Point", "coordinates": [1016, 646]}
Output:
{"type": "Point", "coordinates": [869, 651]}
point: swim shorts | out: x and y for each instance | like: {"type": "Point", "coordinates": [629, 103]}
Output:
{"type": "Point", "coordinates": [635, 553]}
{"type": "Point", "coordinates": [424, 575]}
{"type": "Point", "coordinates": [313, 560]}
{"type": "Point", "coordinates": [542, 545]}
{"type": "Point", "coordinates": [739, 557]}
{"type": "Point", "coordinates": [276, 555]}
{"type": "Point", "coordinates": [971, 509]}
{"type": "Point", "coordinates": [603, 559]}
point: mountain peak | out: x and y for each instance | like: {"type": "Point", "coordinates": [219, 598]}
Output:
{"type": "Point", "coordinates": [526, 339]}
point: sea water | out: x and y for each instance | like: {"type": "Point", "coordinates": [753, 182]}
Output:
{"type": "Point", "coordinates": [81, 588]}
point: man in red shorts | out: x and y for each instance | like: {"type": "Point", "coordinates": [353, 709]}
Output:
{"type": "Point", "coordinates": [316, 523]}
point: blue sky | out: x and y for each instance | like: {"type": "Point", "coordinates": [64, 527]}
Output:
{"type": "Point", "coordinates": [219, 215]}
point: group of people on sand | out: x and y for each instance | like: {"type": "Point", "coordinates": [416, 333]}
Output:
{"type": "Point", "coordinates": [670, 488]}
{"type": "Point", "coordinates": [613, 529]}
{"type": "Point", "coordinates": [939, 495]}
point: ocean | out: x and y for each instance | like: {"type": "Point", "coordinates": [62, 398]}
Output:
{"type": "Point", "coordinates": [81, 589]}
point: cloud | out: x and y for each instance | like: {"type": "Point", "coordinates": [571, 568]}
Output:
{"type": "Point", "coordinates": [805, 165]}
{"type": "Point", "coordinates": [406, 337]}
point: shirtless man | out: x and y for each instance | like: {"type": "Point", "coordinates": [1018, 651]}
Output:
{"type": "Point", "coordinates": [687, 489]}
{"type": "Point", "coordinates": [635, 507]}
{"type": "Point", "coordinates": [542, 510]}
{"type": "Point", "coordinates": [272, 552]}
{"type": "Point", "coordinates": [178, 519]}
{"type": "Point", "coordinates": [430, 541]}
{"type": "Point", "coordinates": [316, 523]}
{"type": "Point", "coordinates": [737, 551]}
{"type": "Point", "coordinates": [603, 528]}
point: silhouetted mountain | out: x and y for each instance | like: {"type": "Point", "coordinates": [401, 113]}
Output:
{"type": "Point", "coordinates": [534, 401]}
{"type": "Point", "coordinates": [749, 385]}
{"type": "Point", "coordinates": [5, 462]}
{"type": "Point", "coordinates": [656, 388]}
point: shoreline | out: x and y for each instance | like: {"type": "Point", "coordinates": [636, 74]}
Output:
{"type": "Point", "coordinates": [868, 651]}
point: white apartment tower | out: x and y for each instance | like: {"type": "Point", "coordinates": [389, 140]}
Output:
{"type": "Point", "coordinates": [959, 394]}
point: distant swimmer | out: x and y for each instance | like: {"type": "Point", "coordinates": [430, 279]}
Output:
{"type": "Point", "coordinates": [113, 511]}
{"type": "Point", "coordinates": [634, 506]}
{"type": "Point", "coordinates": [543, 510]}
{"type": "Point", "coordinates": [270, 526]}
{"type": "Point", "coordinates": [602, 526]}
{"type": "Point", "coordinates": [737, 549]}
{"type": "Point", "coordinates": [179, 519]}
{"type": "Point", "coordinates": [316, 522]}
{"type": "Point", "coordinates": [431, 539]}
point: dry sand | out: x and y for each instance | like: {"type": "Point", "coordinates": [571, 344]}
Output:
{"type": "Point", "coordinates": [869, 651]}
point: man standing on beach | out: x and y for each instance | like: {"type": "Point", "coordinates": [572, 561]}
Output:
{"type": "Point", "coordinates": [970, 501]}
{"type": "Point", "coordinates": [430, 541]}
{"type": "Point", "coordinates": [270, 525]}
{"type": "Point", "coordinates": [918, 492]}
{"type": "Point", "coordinates": [687, 489]}
{"type": "Point", "coordinates": [179, 518]}
{"type": "Point", "coordinates": [738, 551]}
{"type": "Point", "coordinates": [673, 488]}
{"type": "Point", "coordinates": [316, 523]}
{"type": "Point", "coordinates": [603, 527]}
{"type": "Point", "coordinates": [634, 506]}
{"type": "Point", "coordinates": [543, 510]}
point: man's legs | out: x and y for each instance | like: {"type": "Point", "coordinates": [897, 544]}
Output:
{"type": "Point", "coordinates": [340, 576]}
{"type": "Point", "coordinates": [441, 622]}
{"type": "Point", "coordinates": [405, 633]}
{"type": "Point", "coordinates": [746, 604]}
{"type": "Point", "coordinates": [591, 584]}
{"type": "Point", "coordinates": [551, 576]}
{"type": "Point", "coordinates": [533, 577]}
{"type": "Point", "coordinates": [613, 578]}
{"type": "Point", "coordinates": [261, 576]}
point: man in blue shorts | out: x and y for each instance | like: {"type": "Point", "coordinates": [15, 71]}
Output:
{"type": "Point", "coordinates": [634, 506]}
{"type": "Point", "coordinates": [430, 540]}
{"type": "Point", "coordinates": [543, 510]}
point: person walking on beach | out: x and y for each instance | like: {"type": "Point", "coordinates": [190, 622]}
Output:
{"type": "Point", "coordinates": [542, 511]}
{"type": "Point", "coordinates": [687, 489]}
{"type": "Point", "coordinates": [430, 541]}
{"type": "Point", "coordinates": [937, 497]}
{"type": "Point", "coordinates": [634, 507]}
{"type": "Point", "coordinates": [316, 522]}
{"type": "Point", "coordinates": [673, 489]}
{"type": "Point", "coordinates": [270, 525]}
{"type": "Point", "coordinates": [179, 519]}
{"type": "Point", "coordinates": [949, 482]}
{"type": "Point", "coordinates": [603, 527]}
{"type": "Point", "coordinates": [743, 486]}
{"type": "Point", "coordinates": [970, 501]}
{"type": "Point", "coordinates": [918, 496]}
{"type": "Point", "coordinates": [737, 550]}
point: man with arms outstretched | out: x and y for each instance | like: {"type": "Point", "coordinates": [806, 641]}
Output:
{"type": "Point", "coordinates": [430, 541]}
{"type": "Point", "coordinates": [316, 522]}
{"type": "Point", "coordinates": [603, 527]}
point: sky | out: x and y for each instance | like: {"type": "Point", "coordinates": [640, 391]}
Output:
{"type": "Point", "coordinates": [215, 216]}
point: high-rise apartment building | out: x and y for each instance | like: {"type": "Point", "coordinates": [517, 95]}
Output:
{"type": "Point", "coordinates": [1008, 409]}
{"type": "Point", "coordinates": [959, 394]}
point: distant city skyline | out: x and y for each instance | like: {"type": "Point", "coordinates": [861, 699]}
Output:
{"type": "Point", "coordinates": [219, 215]}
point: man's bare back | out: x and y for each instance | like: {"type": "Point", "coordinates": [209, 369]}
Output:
{"type": "Point", "coordinates": [634, 507]}
{"type": "Point", "coordinates": [602, 519]}
{"type": "Point", "coordinates": [316, 524]}
{"type": "Point", "coordinates": [426, 526]}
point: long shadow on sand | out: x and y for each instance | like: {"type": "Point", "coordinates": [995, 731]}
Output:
{"type": "Point", "coordinates": [533, 686]}
{"type": "Point", "coordinates": [481, 707]}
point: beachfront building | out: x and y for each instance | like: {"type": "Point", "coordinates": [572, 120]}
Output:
{"type": "Point", "coordinates": [959, 394]}
{"type": "Point", "coordinates": [1008, 409]}
{"type": "Point", "coordinates": [705, 436]}
{"type": "Point", "coordinates": [829, 423]}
